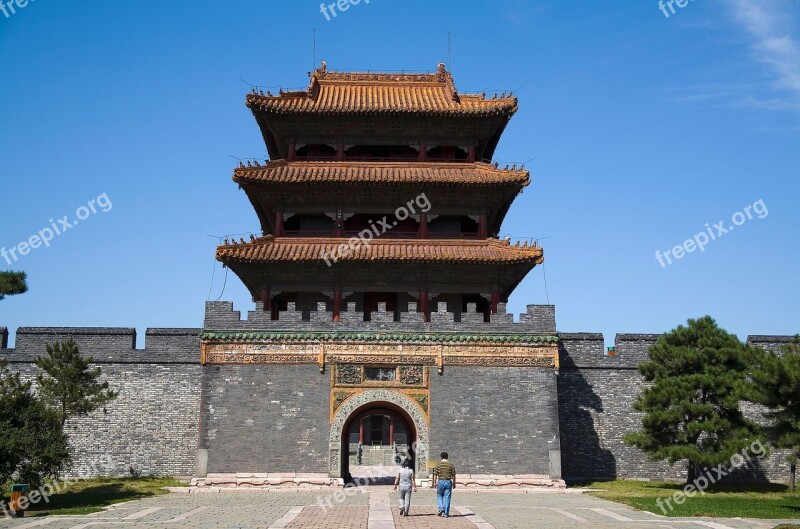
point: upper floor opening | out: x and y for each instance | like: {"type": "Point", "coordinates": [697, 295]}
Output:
{"type": "Point", "coordinates": [392, 153]}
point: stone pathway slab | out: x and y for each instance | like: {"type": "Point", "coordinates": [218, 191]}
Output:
{"type": "Point", "coordinates": [375, 508]}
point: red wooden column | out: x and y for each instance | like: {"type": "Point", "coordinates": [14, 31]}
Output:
{"type": "Point", "coordinates": [471, 154]}
{"type": "Point", "coordinates": [483, 226]}
{"type": "Point", "coordinates": [495, 300]}
{"type": "Point", "coordinates": [337, 304]}
{"type": "Point", "coordinates": [266, 299]}
{"type": "Point", "coordinates": [423, 305]}
{"type": "Point", "coordinates": [422, 233]}
{"type": "Point", "coordinates": [361, 432]}
{"type": "Point", "coordinates": [340, 153]}
{"type": "Point", "coordinates": [279, 231]}
{"type": "Point", "coordinates": [391, 431]}
{"type": "Point", "coordinates": [292, 152]}
{"type": "Point", "coordinates": [423, 153]}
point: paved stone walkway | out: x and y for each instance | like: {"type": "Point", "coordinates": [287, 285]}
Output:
{"type": "Point", "coordinates": [374, 509]}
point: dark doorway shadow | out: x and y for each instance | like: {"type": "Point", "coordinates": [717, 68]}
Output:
{"type": "Point", "coordinates": [376, 440]}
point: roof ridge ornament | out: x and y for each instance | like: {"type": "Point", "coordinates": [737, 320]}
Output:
{"type": "Point", "coordinates": [443, 76]}
{"type": "Point", "coordinates": [313, 85]}
{"type": "Point", "coordinates": [441, 71]}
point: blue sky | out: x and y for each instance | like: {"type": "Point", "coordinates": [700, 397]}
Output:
{"type": "Point", "coordinates": [642, 128]}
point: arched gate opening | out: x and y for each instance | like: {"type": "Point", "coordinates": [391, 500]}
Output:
{"type": "Point", "coordinates": [373, 432]}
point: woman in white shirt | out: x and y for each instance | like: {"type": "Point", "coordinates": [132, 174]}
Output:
{"type": "Point", "coordinates": [405, 482]}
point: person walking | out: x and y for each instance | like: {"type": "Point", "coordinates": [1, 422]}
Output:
{"type": "Point", "coordinates": [444, 479]}
{"type": "Point", "coordinates": [405, 482]}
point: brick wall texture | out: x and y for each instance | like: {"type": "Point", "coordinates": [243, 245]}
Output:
{"type": "Point", "coordinates": [497, 420]}
{"type": "Point", "coordinates": [266, 418]}
{"type": "Point", "coordinates": [596, 394]}
{"type": "Point", "coordinates": [151, 428]}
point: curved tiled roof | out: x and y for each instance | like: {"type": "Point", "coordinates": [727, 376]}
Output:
{"type": "Point", "coordinates": [269, 249]}
{"type": "Point", "coordinates": [369, 93]}
{"type": "Point", "coordinates": [461, 174]}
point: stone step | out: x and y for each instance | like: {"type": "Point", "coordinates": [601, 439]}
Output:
{"type": "Point", "coordinates": [312, 481]}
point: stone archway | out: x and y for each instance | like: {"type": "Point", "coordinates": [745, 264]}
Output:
{"type": "Point", "coordinates": [377, 397]}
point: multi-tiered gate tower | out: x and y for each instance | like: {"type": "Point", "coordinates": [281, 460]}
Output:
{"type": "Point", "coordinates": [380, 285]}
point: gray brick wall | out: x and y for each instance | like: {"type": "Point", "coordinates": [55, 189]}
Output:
{"type": "Point", "coordinates": [264, 418]}
{"type": "Point", "coordinates": [596, 394]}
{"type": "Point", "coordinates": [494, 420]}
{"type": "Point", "coordinates": [595, 412]}
{"type": "Point", "coordinates": [152, 427]}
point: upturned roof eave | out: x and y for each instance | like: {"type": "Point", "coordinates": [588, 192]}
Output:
{"type": "Point", "coordinates": [369, 173]}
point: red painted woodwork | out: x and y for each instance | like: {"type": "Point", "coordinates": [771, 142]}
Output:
{"type": "Point", "coordinates": [337, 304]}
{"type": "Point", "coordinates": [495, 300]}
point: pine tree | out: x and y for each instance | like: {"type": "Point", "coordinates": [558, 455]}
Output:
{"type": "Point", "coordinates": [12, 283]}
{"type": "Point", "coordinates": [69, 384]}
{"type": "Point", "coordinates": [33, 445]}
{"type": "Point", "coordinates": [692, 407]}
{"type": "Point", "coordinates": [777, 383]}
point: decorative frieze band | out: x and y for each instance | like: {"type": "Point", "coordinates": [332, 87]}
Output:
{"type": "Point", "coordinates": [439, 355]}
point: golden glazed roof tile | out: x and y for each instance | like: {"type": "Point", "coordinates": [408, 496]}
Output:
{"type": "Point", "coordinates": [370, 93]}
{"type": "Point", "coordinates": [269, 249]}
{"type": "Point", "coordinates": [461, 174]}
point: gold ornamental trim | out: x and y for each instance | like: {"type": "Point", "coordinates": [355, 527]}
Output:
{"type": "Point", "coordinates": [438, 355]}
{"type": "Point", "coordinates": [420, 397]}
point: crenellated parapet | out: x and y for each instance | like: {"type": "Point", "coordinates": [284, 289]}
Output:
{"type": "Point", "coordinates": [587, 350]}
{"type": "Point", "coordinates": [220, 315]}
{"type": "Point", "coordinates": [106, 345]}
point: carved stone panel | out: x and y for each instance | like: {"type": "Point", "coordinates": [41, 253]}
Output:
{"type": "Point", "coordinates": [349, 374]}
{"type": "Point", "coordinates": [412, 375]}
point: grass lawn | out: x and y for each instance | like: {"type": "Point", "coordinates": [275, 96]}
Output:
{"type": "Point", "coordinates": [727, 500]}
{"type": "Point", "coordinates": [92, 495]}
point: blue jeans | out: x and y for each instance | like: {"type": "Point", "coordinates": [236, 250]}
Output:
{"type": "Point", "coordinates": [444, 488]}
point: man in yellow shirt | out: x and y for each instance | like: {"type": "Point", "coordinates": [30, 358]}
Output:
{"type": "Point", "coordinates": [444, 479]}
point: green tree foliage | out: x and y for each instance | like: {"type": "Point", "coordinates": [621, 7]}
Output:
{"type": "Point", "coordinates": [697, 374]}
{"type": "Point", "coordinates": [12, 283]}
{"type": "Point", "coordinates": [33, 445]}
{"type": "Point", "coordinates": [777, 386]}
{"type": "Point", "coordinates": [68, 383]}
